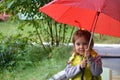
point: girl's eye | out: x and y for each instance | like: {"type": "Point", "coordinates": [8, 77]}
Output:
{"type": "Point", "coordinates": [77, 44]}
{"type": "Point", "coordinates": [84, 43]}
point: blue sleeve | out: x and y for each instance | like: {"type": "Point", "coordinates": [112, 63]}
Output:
{"type": "Point", "coordinates": [95, 65]}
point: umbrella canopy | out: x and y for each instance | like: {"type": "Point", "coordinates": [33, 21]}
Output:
{"type": "Point", "coordinates": [103, 14]}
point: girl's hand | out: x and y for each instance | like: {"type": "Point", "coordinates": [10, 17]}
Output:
{"type": "Point", "coordinates": [83, 63]}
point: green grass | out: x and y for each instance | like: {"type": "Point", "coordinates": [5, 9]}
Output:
{"type": "Point", "coordinates": [10, 28]}
{"type": "Point", "coordinates": [104, 39]}
{"type": "Point", "coordinates": [41, 70]}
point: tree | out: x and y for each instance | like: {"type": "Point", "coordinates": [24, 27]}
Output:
{"type": "Point", "coordinates": [46, 29]}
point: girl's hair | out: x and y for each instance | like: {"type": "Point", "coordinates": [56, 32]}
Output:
{"type": "Point", "coordinates": [82, 33]}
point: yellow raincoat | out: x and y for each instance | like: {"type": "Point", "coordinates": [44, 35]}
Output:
{"type": "Point", "coordinates": [76, 59]}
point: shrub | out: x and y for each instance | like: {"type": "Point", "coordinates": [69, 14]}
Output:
{"type": "Point", "coordinates": [12, 49]}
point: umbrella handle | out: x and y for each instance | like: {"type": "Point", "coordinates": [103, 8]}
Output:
{"type": "Point", "coordinates": [82, 73]}
{"type": "Point", "coordinates": [91, 37]}
{"type": "Point", "coordinates": [93, 28]}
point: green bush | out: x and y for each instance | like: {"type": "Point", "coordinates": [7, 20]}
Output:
{"type": "Point", "coordinates": [44, 67]}
{"type": "Point", "coordinates": [12, 50]}
{"type": "Point", "coordinates": [19, 51]}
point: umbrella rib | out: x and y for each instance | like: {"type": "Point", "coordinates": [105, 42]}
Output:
{"type": "Point", "coordinates": [64, 13]}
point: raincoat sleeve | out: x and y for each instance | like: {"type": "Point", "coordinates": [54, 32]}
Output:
{"type": "Point", "coordinates": [95, 65]}
{"type": "Point", "coordinates": [71, 71]}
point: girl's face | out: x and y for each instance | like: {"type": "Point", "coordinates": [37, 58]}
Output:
{"type": "Point", "coordinates": [80, 45]}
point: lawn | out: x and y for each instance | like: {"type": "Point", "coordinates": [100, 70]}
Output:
{"type": "Point", "coordinates": [10, 28]}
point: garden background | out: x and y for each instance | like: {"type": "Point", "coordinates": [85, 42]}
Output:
{"type": "Point", "coordinates": [24, 54]}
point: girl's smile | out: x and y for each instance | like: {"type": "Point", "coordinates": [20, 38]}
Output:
{"type": "Point", "coordinates": [80, 45]}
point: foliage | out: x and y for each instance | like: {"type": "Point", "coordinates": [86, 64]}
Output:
{"type": "Point", "coordinates": [103, 39]}
{"type": "Point", "coordinates": [43, 69]}
{"type": "Point", "coordinates": [20, 50]}
{"type": "Point", "coordinates": [46, 29]}
{"type": "Point", "coordinates": [12, 49]}
{"type": "Point", "coordinates": [18, 56]}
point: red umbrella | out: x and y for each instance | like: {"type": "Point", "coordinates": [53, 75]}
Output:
{"type": "Point", "coordinates": [103, 16]}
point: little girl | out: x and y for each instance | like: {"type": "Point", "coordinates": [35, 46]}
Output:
{"type": "Point", "coordinates": [85, 63]}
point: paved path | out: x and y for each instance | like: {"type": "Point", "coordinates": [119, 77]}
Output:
{"type": "Point", "coordinates": [110, 49]}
